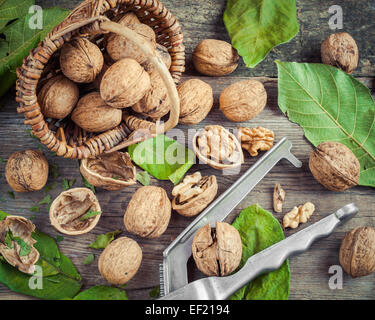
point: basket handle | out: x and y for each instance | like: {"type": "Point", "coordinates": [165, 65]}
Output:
{"type": "Point", "coordinates": [160, 66]}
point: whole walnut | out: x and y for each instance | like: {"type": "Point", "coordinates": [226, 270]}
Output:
{"type": "Point", "coordinates": [27, 171]}
{"type": "Point", "coordinates": [357, 252]}
{"type": "Point", "coordinates": [148, 212]}
{"type": "Point", "coordinates": [94, 115]}
{"type": "Point", "coordinates": [217, 252]}
{"type": "Point", "coordinates": [196, 101]}
{"type": "Point", "coordinates": [334, 166]}
{"type": "Point", "coordinates": [124, 84]}
{"type": "Point", "coordinates": [128, 19]}
{"type": "Point", "coordinates": [81, 60]}
{"type": "Point", "coordinates": [120, 261]}
{"type": "Point", "coordinates": [215, 58]}
{"type": "Point", "coordinates": [340, 50]}
{"type": "Point", "coordinates": [243, 100]}
{"type": "Point", "coordinates": [58, 97]}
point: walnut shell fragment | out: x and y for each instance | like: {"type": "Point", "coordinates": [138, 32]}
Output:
{"type": "Point", "coordinates": [68, 210]}
{"type": "Point", "coordinates": [194, 194]}
{"type": "Point", "coordinates": [27, 171]}
{"type": "Point", "coordinates": [217, 252]}
{"type": "Point", "coordinates": [148, 212]}
{"type": "Point", "coordinates": [120, 261]}
{"type": "Point", "coordinates": [255, 139]}
{"type": "Point", "coordinates": [298, 215]}
{"type": "Point", "coordinates": [217, 147]}
{"type": "Point", "coordinates": [278, 198]}
{"type": "Point", "coordinates": [357, 252]}
{"type": "Point", "coordinates": [112, 171]}
{"type": "Point", "coordinates": [15, 232]}
{"type": "Point", "coordinates": [334, 166]}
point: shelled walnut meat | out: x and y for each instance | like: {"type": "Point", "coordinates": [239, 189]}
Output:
{"type": "Point", "coordinates": [94, 115]}
{"type": "Point", "coordinates": [17, 244]}
{"type": "Point", "coordinates": [120, 261]}
{"type": "Point", "coordinates": [58, 97]}
{"type": "Point", "coordinates": [334, 166]}
{"type": "Point", "coordinates": [113, 171]}
{"type": "Point", "coordinates": [27, 171]}
{"type": "Point", "coordinates": [215, 58]}
{"type": "Point", "coordinates": [255, 139]}
{"type": "Point", "coordinates": [217, 147]}
{"type": "Point", "coordinates": [72, 212]}
{"type": "Point", "coordinates": [148, 212]}
{"type": "Point", "coordinates": [217, 252]}
{"type": "Point", "coordinates": [298, 215]}
{"type": "Point", "coordinates": [243, 100]}
{"type": "Point", "coordinates": [81, 60]}
{"type": "Point", "coordinates": [357, 252]}
{"type": "Point", "coordinates": [194, 194]}
{"type": "Point", "coordinates": [196, 101]}
{"type": "Point", "coordinates": [278, 198]}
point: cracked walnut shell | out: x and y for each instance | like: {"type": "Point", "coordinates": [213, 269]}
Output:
{"type": "Point", "coordinates": [298, 215]}
{"type": "Point", "coordinates": [120, 261]}
{"type": "Point", "coordinates": [22, 228]}
{"type": "Point", "coordinates": [217, 252]}
{"type": "Point", "coordinates": [148, 212]}
{"type": "Point", "coordinates": [255, 139]}
{"type": "Point", "coordinates": [217, 147]}
{"type": "Point", "coordinates": [67, 211]}
{"type": "Point", "coordinates": [194, 194]}
{"type": "Point", "coordinates": [215, 58]}
{"type": "Point", "coordinates": [113, 171]}
{"type": "Point", "coordinates": [357, 252]}
{"type": "Point", "coordinates": [197, 99]}
{"type": "Point", "coordinates": [27, 171]}
{"type": "Point", "coordinates": [81, 60]}
{"type": "Point", "coordinates": [334, 166]}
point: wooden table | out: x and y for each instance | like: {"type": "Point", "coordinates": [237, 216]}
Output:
{"type": "Point", "coordinates": [200, 20]}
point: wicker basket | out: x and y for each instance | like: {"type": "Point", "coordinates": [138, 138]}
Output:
{"type": "Point", "coordinates": [93, 19]}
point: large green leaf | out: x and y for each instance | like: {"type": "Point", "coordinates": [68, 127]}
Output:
{"type": "Point", "coordinates": [13, 9]}
{"type": "Point", "coordinates": [60, 278]}
{"type": "Point", "coordinates": [19, 39]}
{"type": "Point", "coordinates": [330, 105]}
{"type": "Point", "coordinates": [101, 293]}
{"type": "Point", "coordinates": [259, 229]}
{"type": "Point", "coordinates": [257, 26]}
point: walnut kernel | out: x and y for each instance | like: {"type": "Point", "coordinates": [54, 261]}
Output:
{"type": "Point", "coordinates": [278, 198]}
{"type": "Point", "coordinates": [298, 215]}
{"type": "Point", "coordinates": [255, 139]}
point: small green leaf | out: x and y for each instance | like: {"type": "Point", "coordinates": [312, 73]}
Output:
{"type": "Point", "coordinates": [46, 200]}
{"type": "Point", "coordinates": [88, 259]}
{"type": "Point", "coordinates": [2, 160]}
{"type": "Point", "coordinates": [101, 293]}
{"type": "Point", "coordinates": [59, 238]}
{"type": "Point", "coordinates": [144, 178]}
{"type": "Point", "coordinates": [90, 214]}
{"type": "Point", "coordinates": [50, 187]}
{"type": "Point", "coordinates": [88, 184]}
{"type": "Point", "coordinates": [67, 184]}
{"type": "Point", "coordinates": [32, 217]}
{"type": "Point", "coordinates": [9, 239]}
{"type": "Point", "coordinates": [2, 199]}
{"type": "Point", "coordinates": [155, 293]}
{"type": "Point", "coordinates": [25, 248]}
{"type": "Point", "coordinates": [54, 169]}
{"type": "Point", "coordinates": [11, 194]}
{"type": "Point", "coordinates": [103, 240]}
{"type": "Point", "coordinates": [30, 132]}
{"type": "Point", "coordinates": [116, 177]}
{"type": "Point", "coordinates": [34, 209]}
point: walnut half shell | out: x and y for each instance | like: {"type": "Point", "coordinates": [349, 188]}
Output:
{"type": "Point", "coordinates": [68, 210]}
{"type": "Point", "coordinates": [194, 194]}
{"type": "Point", "coordinates": [113, 171]}
{"type": "Point", "coordinates": [20, 228]}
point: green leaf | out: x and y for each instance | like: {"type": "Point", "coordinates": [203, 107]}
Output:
{"type": "Point", "coordinates": [25, 248]}
{"type": "Point", "coordinates": [259, 229]}
{"type": "Point", "coordinates": [330, 105]}
{"type": "Point", "coordinates": [144, 178]}
{"type": "Point", "coordinates": [257, 26]}
{"type": "Point", "coordinates": [89, 259]}
{"type": "Point", "coordinates": [87, 184]}
{"type": "Point", "coordinates": [54, 169]}
{"type": "Point", "coordinates": [155, 293]}
{"type": "Point", "coordinates": [9, 239]}
{"type": "Point", "coordinates": [90, 214]}
{"type": "Point", "coordinates": [67, 184]}
{"type": "Point", "coordinates": [59, 238]}
{"type": "Point", "coordinates": [163, 158]}
{"type": "Point", "coordinates": [11, 194]}
{"type": "Point", "coordinates": [13, 9]}
{"type": "Point", "coordinates": [102, 293]}
{"type": "Point", "coordinates": [46, 200]}
{"type": "Point", "coordinates": [103, 240]}
{"type": "Point", "coordinates": [32, 135]}
{"type": "Point", "coordinates": [50, 187]}
{"type": "Point", "coordinates": [34, 209]}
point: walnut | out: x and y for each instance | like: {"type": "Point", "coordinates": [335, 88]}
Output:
{"type": "Point", "coordinates": [298, 215]}
{"type": "Point", "coordinates": [194, 194]}
{"type": "Point", "coordinates": [71, 212]}
{"type": "Point", "coordinates": [94, 115]}
{"type": "Point", "coordinates": [148, 212]}
{"type": "Point", "coordinates": [17, 244]}
{"type": "Point", "coordinates": [357, 252]}
{"type": "Point", "coordinates": [278, 198]}
{"type": "Point", "coordinates": [340, 50]}
{"type": "Point", "coordinates": [243, 100]}
{"type": "Point", "coordinates": [255, 139]}
{"type": "Point", "coordinates": [128, 19]}
{"type": "Point", "coordinates": [197, 99]}
{"type": "Point", "coordinates": [217, 252]}
{"type": "Point", "coordinates": [27, 171]}
{"type": "Point", "coordinates": [334, 166]}
{"type": "Point", "coordinates": [217, 147]}
{"type": "Point", "coordinates": [58, 97]}
{"type": "Point", "coordinates": [81, 60]}
{"type": "Point", "coordinates": [163, 54]}
{"type": "Point", "coordinates": [119, 47]}
{"type": "Point", "coordinates": [113, 171]}
{"type": "Point", "coordinates": [120, 261]}
{"type": "Point", "coordinates": [215, 58]}
{"type": "Point", "coordinates": [124, 84]}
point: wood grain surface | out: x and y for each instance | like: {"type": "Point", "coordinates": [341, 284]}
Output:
{"type": "Point", "coordinates": [200, 20]}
